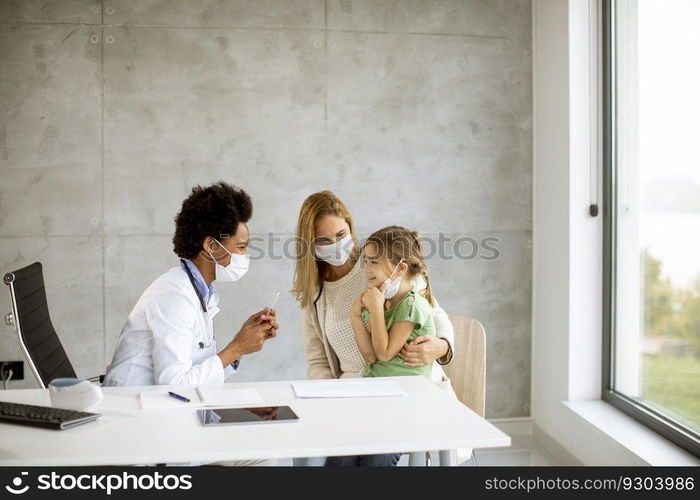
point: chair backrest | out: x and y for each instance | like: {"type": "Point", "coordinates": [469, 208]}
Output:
{"type": "Point", "coordinates": [37, 337]}
{"type": "Point", "coordinates": [467, 370]}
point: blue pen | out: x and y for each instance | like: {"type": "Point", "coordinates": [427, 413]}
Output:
{"type": "Point", "coordinates": [177, 396]}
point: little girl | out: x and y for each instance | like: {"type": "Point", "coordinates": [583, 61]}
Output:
{"type": "Point", "coordinates": [391, 312]}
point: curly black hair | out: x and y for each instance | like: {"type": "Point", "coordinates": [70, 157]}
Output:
{"type": "Point", "coordinates": [212, 211]}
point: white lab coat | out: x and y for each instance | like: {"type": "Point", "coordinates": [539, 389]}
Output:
{"type": "Point", "coordinates": [160, 342]}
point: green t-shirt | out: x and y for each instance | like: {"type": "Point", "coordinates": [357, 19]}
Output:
{"type": "Point", "coordinates": [412, 307]}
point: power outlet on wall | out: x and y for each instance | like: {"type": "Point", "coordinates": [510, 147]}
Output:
{"type": "Point", "coordinates": [17, 368]}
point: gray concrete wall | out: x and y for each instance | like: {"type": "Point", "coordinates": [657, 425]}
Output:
{"type": "Point", "coordinates": [415, 112]}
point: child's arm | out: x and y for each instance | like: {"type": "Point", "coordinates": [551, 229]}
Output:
{"type": "Point", "coordinates": [362, 336]}
{"type": "Point", "coordinates": [387, 344]}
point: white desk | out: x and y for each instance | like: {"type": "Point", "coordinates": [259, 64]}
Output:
{"type": "Point", "coordinates": [427, 418]}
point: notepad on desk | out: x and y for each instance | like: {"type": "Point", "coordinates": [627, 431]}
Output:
{"type": "Point", "coordinates": [212, 396]}
{"type": "Point", "coordinates": [355, 389]}
{"type": "Point", "coordinates": [200, 397]}
{"type": "Point", "coordinates": [161, 400]}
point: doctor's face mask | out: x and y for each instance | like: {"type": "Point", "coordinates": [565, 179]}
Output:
{"type": "Point", "coordinates": [235, 269]}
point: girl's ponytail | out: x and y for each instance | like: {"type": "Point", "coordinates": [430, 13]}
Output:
{"type": "Point", "coordinates": [423, 269]}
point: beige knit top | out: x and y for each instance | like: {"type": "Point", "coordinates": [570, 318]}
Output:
{"type": "Point", "coordinates": [339, 296]}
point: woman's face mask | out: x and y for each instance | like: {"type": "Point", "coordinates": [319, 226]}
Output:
{"type": "Point", "coordinates": [235, 269]}
{"type": "Point", "coordinates": [336, 254]}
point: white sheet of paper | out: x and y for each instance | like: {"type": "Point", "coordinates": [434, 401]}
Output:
{"type": "Point", "coordinates": [229, 397]}
{"type": "Point", "coordinates": [355, 389]}
{"type": "Point", "coordinates": [159, 400]}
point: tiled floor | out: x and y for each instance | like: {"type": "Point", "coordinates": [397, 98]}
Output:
{"type": "Point", "coordinates": [524, 451]}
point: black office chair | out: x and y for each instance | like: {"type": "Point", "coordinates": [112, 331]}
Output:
{"type": "Point", "coordinates": [37, 337]}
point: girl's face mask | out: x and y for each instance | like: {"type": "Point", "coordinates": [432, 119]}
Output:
{"type": "Point", "coordinates": [392, 287]}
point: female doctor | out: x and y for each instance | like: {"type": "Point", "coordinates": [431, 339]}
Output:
{"type": "Point", "coordinates": [168, 338]}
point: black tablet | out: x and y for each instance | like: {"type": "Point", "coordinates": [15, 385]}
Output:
{"type": "Point", "coordinates": [260, 415]}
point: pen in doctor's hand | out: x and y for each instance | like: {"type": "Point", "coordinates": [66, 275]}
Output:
{"type": "Point", "coordinates": [265, 316]}
{"type": "Point", "coordinates": [272, 304]}
{"type": "Point", "coordinates": [177, 396]}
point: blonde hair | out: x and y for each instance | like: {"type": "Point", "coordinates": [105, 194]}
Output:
{"type": "Point", "coordinates": [309, 271]}
{"type": "Point", "coordinates": [395, 243]}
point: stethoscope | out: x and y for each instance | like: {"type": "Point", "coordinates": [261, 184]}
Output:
{"type": "Point", "coordinates": [202, 345]}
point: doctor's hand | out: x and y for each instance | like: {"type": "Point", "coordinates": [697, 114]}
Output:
{"type": "Point", "coordinates": [269, 315]}
{"type": "Point", "coordinates": [266, 315]}
{"type": "Point", "coordinates": [250, 338]}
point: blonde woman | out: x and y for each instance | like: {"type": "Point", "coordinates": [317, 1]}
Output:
{"type": "Point", "coordinates": [329, 276]}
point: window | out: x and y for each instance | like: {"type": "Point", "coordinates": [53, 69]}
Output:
{"type": "Point", "coordinates": [651, 137]}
